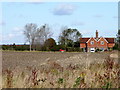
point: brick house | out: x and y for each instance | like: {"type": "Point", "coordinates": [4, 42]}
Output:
{"type": "Point", "coordinates": [93, 43]}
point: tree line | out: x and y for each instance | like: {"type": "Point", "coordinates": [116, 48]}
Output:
{"type": "Point", "coordinates": [40, 39]}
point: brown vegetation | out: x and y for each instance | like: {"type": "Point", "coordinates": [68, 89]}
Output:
{"type": "Point", "coordinates": [103, 72]}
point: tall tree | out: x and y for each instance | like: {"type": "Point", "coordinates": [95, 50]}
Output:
{"type": "Point", "coordinates": [118, 36]}
{"type": "Point", "coordinates": [43, 33]}
{"type": "Point", "coordinates": [30, 33]}
{"type": "Point", "coordinates": [36, 36]}
{"type": "Point", "coordinates": [118, 39]}
{"type": "Point", "coordinates": [69, 36]}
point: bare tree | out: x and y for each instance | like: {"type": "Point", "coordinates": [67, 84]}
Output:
{"type": "Point", "coordinates": [43, 33]}
{"type": "Point", "coordinates": [36, 36]}
{"type": "Point", "coordinates": [30, 33]}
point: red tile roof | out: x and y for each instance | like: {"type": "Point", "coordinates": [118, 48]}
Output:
{"type": "Point", "coordinates": [110, 40]}
{"type": "Point", "coordinates": [84, 40]}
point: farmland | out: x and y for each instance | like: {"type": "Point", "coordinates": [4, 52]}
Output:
{"type": "Point", "coordinates": [60, 70]}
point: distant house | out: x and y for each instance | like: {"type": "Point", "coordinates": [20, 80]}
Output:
{"type": "Point", "coordinates": [93, 43]}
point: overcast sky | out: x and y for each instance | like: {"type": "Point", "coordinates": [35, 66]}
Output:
{"type": "Point", "coordinates": [87, 17]}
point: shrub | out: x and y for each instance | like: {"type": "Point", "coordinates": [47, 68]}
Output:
{"type": "Point", "coordinates": [57, 47]}
{"type": "Point", "coordinates": [60, 80]}
{"type": "Point", "coordinates": [77, 82]}
{"type": "Point", "coordinates": [108, 85]}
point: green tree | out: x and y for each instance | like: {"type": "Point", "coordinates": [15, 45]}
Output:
{"type": "Point", "coordinates": [118, 36]}
{"type": "Point", "coordinates": [69, 36]}
{"type": "Point", "coordinates": [117, 41]}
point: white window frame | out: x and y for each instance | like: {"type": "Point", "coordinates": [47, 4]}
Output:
{"type": "Point", "coordinates": [102, 42]}
{"type": "Point", "coordinates": [92, 42]}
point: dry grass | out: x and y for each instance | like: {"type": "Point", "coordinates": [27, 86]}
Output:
{"type": "Point", "coordinates": [105, 75]}
{"type": "Point", "coordinates": [53, 74]}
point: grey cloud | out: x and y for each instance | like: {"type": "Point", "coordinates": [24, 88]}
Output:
{"type": "Point", "coordinates": [115, 17]}
{"type": "Point", "coordinates": [2, 23]}
{"type": "Point", "coordinates": [64, 9]}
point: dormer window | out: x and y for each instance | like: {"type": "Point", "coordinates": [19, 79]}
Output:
{"type": "Point", "coordinates": [102, 42]}
{"type": "Point", "coordinates": [92, 42]}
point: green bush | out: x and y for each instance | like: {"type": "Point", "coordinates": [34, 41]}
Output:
{"type": "Point", "coordinates": [116, 47]}
{"type": "Point", "coordinates": [7, 47]}
{"type": "Point", "coordinates": [60, 80]}
{"type": "Point", "coordinates": [57, 48]}
{"type": "Point", "coordinates": [77, 82]}
{"type": "Point", "coordinates": [15, 47]}
{"type": "Point", "coordinates": [74, 49]}
{"type": "Point", "coordinates": [4, 47]}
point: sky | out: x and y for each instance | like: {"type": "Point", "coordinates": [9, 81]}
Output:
{"type": "Point", "coordinates": [87, 17]}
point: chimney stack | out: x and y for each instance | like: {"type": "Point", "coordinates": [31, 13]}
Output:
{"type": "Point", "coordinates": [96, 33]}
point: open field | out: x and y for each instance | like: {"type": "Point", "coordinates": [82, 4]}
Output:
{"type": "Point", "coordinates": [57, 70]}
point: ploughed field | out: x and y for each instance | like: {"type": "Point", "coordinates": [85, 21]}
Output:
{"type": "Point", "coordinates": [13, 59]}
{"type": "Point", "coordinates": [59, 69]}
